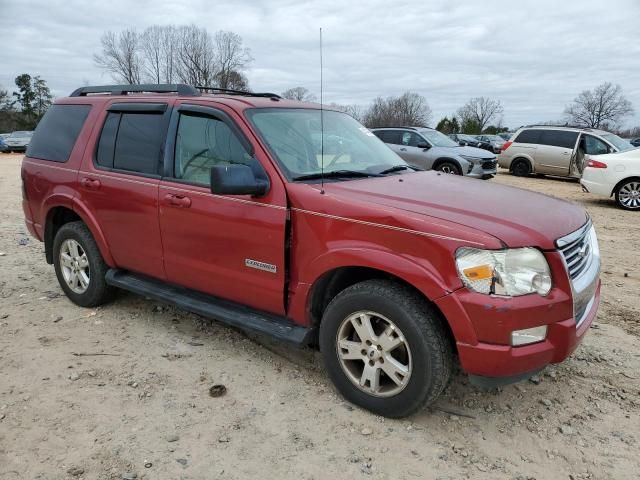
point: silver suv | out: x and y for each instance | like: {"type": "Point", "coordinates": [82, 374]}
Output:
{"type": "Point", "coordinates": [429, 149]}
{"type": "Point", "coordinates": [558, 151]}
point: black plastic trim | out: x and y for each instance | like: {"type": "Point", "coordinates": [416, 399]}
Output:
{"type": "Point", "coordinates": [231, 313]}
{"type": "Point", "coordinates": [494, 382]}
{"type": "Point", "coordinates": [138, 107]}
{"type": "Point", "coordinates": [179, 88]}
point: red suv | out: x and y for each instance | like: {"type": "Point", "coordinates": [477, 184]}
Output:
{"type": "Point", "coordinates": [282, 218]}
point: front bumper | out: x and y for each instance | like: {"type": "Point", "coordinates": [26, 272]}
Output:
{"type": "Point", "coordinates": [483, 169]}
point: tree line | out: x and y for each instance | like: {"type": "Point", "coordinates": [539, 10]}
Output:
{"type": "Point", "coordinates": [23, 108]}
{"type": "Point", "coordinates": [175, 54]}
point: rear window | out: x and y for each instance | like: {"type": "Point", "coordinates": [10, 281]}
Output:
{"type": "Point", "coordinates": [57, 132]}
{"type": "Point", "coordinates": [131, 142]}
{"type": "Point", "coordinates": [528, 136]}
{"type": "Point", "coordinates": [559, 138]}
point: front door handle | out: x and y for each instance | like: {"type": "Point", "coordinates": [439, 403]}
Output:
{"type": "Point", "coordinates": [90, 183]}
{"type": "Point", "coordinates": [177, 200]}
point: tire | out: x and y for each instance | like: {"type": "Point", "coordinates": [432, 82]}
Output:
{"type": "Point", "coordinates": [424, 348]}
{"type": "Point", "coordinates": [449, 167]}
{"type": "Point", "coordinates": [521, 167]}
{"type": "Point", "coordinates": [87, 259]}
{"type": "Point", "coordinates": [628, 194]}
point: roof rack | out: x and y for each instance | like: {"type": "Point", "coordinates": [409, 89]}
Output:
{"type": "Point", "coordinates": [179, 88]}
{"type": "Point", "coordinates": [231, 91]}
{"type": "Point", "coordinates": [558, 126]}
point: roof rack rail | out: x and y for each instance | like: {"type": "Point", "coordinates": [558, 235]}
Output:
{"type": "Point", "coordinates": [179, 88]}
{"type": "Point", "coordinates": [231, 91]}
{"type": "Point", "coordinates": [566, 125]}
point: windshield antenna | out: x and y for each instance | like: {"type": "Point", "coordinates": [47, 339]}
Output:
{"type": "Point", "coordinates": [321, 124]}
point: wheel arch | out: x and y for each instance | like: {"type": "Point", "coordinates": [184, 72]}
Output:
{"type": "Point", "coordinates": [619, 184]}
{"type": "Point", "coordinates": [440, 160]}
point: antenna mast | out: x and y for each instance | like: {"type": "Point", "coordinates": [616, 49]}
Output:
{"type": "Point", "coordinates": [321, 124]}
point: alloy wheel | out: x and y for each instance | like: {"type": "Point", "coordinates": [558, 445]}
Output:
{"type": "Point", "coordinates": [74, 265]}
{"type": "Point", "coordinates": [374, 354]}
{"type": "Point", "coordinates": [629, 195]}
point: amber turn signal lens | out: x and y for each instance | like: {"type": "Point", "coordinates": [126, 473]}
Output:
{"type": "Point", "coordinates": [481, 272]}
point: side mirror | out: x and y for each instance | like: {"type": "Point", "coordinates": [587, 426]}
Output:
{"type": "Point", "coordinates": [424, 145]}
{"type": "Point", "coordinates": [237, 180]}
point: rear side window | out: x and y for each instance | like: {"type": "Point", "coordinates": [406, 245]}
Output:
{"type": "Point", "coordinates": [528, 136]}
{"type": "Point", "coordinates": [381, 134]}
{"type": "Point", "coordinates": [559, 138]}
{"type": "Point", "coordinates": [393, 136]}
{"type": "Point", "coordinates": [131, 142]}
{"type": "Point", "coordinates": [57, 132]}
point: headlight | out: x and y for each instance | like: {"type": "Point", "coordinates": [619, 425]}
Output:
{"type": "Point", "coordinates": [512, 272]}
{"type": "Point", "coordinates": [471, 159]}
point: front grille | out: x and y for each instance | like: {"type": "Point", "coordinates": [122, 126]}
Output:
{"type": "Point", "coordinates": [582, 259]}
{"type": "Point", "coordinates": [490, 165]}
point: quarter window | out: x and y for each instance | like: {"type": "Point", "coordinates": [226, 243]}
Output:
{"type": "Point", "coordinates": [57, 132]}
{"type": "Point", "coordinates": [131, 142]}
{"type": "Point", "coordinates": [203, 142]}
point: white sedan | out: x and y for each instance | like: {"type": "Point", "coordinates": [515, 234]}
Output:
{"type": "Point", "coordinates": [615, 174]}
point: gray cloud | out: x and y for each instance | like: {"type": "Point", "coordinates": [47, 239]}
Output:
{"type": "Point", "coordinates": [534, 56]}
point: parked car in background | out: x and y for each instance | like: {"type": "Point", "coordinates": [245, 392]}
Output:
{"type": "Point", "coordinates": [615, 175]}
{"type": "Point", "coordinates": [495, 141]}
{"type": "Point", "coordinates": [558, 151]}
{"type": "Point", "coordinates": [18, 141]}
{"type": "Point", "coordinates": [635, 142]}
{"type": "Point", "coordinates": [4, 135]}
{"type": "Point", "coordinates": [397, 276]}
{"type": "Point", "coordinates": [465, 140]}
{"type": "Point", "coordinates": [505, 135]}
{"type": "Point", "coordinates": [430, 149]}
{"type": "Point", "coordinates": [3, 146]}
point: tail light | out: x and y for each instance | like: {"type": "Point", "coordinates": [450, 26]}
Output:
{"type": "Point", "coordinates": [596, 164]}
{"type": "Point", "coordinates": [505, 146]}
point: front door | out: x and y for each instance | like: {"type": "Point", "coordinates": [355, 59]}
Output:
{"type": "Point", "coordinates": [230, 246]}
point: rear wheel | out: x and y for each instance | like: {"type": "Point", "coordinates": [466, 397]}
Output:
{"type": "Point", "coordinates": [521, 167]}
{"type": "Point", "coordinates": [628, 194]}
{"type": "Point", "coordinates": [385, 348]}
{"type": "Point", "coordinates": [79, 266]}
{"type": "Point", "coordinates": [449, 167]}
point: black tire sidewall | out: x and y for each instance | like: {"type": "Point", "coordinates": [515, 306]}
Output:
{"type": "Point", "coordinates": [421, 381]}
{"type": "Point", "coordinates": [521, 168]}
{"type": "Point", "coordinates": [96, 293]}
{"type": "Point", "coordinates": [453, 166]}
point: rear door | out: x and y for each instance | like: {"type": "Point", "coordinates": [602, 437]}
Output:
{"type": "Point", "coordinates": [553, 155]}
{"type": "Point", "coordinates": [230, 246]}
{"type": "Point", "coordinates": [118, 183]}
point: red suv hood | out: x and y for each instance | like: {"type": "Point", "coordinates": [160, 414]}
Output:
{"type": "Point", "coordinates": [517, 217]}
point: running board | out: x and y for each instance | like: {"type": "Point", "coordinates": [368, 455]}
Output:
{"type": "Point", "coordinates": [231, 313]}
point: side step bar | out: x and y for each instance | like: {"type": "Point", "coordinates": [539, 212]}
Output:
{"type": "Point", "coordinates": [231, 313]}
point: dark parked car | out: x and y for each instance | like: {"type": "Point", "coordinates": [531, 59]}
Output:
{"type": "Point", "coordinates": [3, 146]}
{"type": "Point", "coordinates": [465, 140]}
{"type": "Point", "coordinates": [635, 142]}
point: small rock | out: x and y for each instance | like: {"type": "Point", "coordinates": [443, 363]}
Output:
{"type": "Point", "coordinates": [566, 430]}
{"type": "Point", "coordinates": [366, 431]}
{"type": "Point", "coordinates": [546, 402]}
{"type": "Point", "coordinates": [217, 390]}
{"type": "Point", "coordinates": [129, 476]}
{"type": "Point", "coordinates": [224, 439]}
{"type": "Point", "coordinates": [2, 416]}
{"type": "Point", "coordinates": [148, 464]}
{"type": "Point", "coordinates": [535, 380]}
{"type": "Point", "coordinates": [74, 376]}
{"type": "Point", "coordinates": [59, 318]}
{"type": "Point", "coordinates": [626, 275]}
{"type": "Point", "coordinates": [75, 471]}
{"type": "Point", "coordinates": [3, 316]}
{"type": "Point", "coordinates": [2, 254]}
{"type": "Point", "coordinates": [173, 438]}
{"type": "Point", "coordinates": [182, 461]}
{"type": "Point", "coordinates": [91, 373]}
{"type": "Point", "coordinates": [353, 459]}
{"type": "Point", "coordinates": [23, 241]}
{"type": "Point", "coordinates": [133, 384]}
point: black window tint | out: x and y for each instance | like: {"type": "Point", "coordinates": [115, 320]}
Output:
{"type": "Point", "coordinates": [57, 132]}
{"type": "Point", "coordinates": [381, 134]}
{"type": "Point", "coordinates": [107, 142]}
{"type": "Point", "coordinates": [528, 136]}
{"type": "Point", "coordinates": [139, 142]}
{"type": "Point", "coordinates": [393, 136]}
{"type": "Point", "coordinates": [559, 138]}
{"type": "Point", "coordinates": [594, 146]}
{"type": "Point", "coordinates": [203, 142]}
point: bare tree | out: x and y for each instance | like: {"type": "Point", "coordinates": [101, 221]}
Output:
{"type": "Point", "coordinates": [120, 56]}
{"type": "Point", "coordinates": [408, 109]}
{"type": "Point", "coordinates": [231, 57]}
{"type": "Point", "coordinates": [479, 111]}
{"type": "Point", "coordinates": [299, 93]}
{"type": "Point", "coordinates": [195, 56]}
{"type": "Point", "coordinates": [603, 107]}
{"type": "Point", "coordinates": [157, 51]}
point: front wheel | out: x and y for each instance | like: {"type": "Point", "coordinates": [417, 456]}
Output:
{"type": "Point", "coordinates": [385, 348]}
{"type": "Point", "coordinates": [628, 195]}
{"type": "Point", "coordinates": [79, 266]}
{"type": "Point", "coordinates": [450, 168]}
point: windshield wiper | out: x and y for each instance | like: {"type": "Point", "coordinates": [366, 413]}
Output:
{"type": "Point", "coordinates": [336, 174]}
{"type": "Point", "coordinates": [397, 168]}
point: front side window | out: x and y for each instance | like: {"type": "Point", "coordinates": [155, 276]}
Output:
{"type": "Point", "coordinates": [203, 142]}
{"type": "Point", "coordinates": [291, 136]}
{"type": "Point", "coordinates": [131, 142]}
{"type": "Point", "coordinates": [594, 146]}
{"type": "Point", "coordinates": [410, 139]}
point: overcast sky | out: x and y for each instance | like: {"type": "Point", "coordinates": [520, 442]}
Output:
{"type": "Point", "coordinates": [533, 56]}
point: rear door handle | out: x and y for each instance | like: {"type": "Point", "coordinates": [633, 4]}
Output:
{"type": "Point", "coordinates": [90, 183]}
{"type": "Point", "coordinates": [177, 200]}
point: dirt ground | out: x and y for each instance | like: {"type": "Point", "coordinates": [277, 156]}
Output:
{"type": "Point", "coordinates": [122, 391]}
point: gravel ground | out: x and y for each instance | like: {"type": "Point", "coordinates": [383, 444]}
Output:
{"type": "Point", "coordinates": [122, 391]}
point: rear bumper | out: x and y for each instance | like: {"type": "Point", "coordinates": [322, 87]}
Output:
{"type": "Point", "coordinates": [594, 185]}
